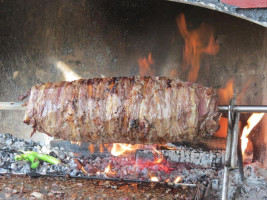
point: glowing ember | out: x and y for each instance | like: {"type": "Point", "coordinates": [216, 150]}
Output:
{"type": "Point", "coordinates": [159, 162]}
{"type": "Point", "coordinates": [108, 171]}
{"type": "Point", "coordinates": [154, 179]}
{"type": "Point", "coordinates": [251, 123]}
{"type": "Point", "coordinates": [120, 149]}
{"type": "Point", "coordinates": [144, 66]}
{"type": "Point", "coordinates": [123, 149]}
{"type": "Point", "coordinates": [197, 42]}
{"type": "Point", "coordinates": [178, 179]}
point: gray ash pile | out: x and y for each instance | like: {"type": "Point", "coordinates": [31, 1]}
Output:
{"type": "Point", "coordinates": [139, 166]}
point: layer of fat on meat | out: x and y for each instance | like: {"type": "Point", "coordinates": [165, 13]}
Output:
{"type": "Point", "coordinates": [112, 104]}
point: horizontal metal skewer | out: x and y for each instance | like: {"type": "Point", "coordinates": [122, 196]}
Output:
{"type": "Point", "coordinates": [245, 109]}
{"type": "Point", "coordinates": [12, 106]}
{"type": "Point", "coordinates": [223, 108]}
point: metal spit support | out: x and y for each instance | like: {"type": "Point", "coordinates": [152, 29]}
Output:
{"type": "Point", "coordinates": [233, 153]}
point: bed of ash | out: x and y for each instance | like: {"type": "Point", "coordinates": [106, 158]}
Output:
{"type": "Point", "coordinates": [140, 166]}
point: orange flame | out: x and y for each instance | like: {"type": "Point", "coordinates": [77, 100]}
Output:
{"type": "Point", "coordinates": [253, 120]}
{"type": "Point", "coordinates": [154, 179]}
{"type": "Point", "coordinates": [108, 171]}
{"type": "Point", "coordinates": [83, 170]}
{"type": "Point", "coordinates": [166, 146]}
{"type": "Point", "coordinates": [226, 93]}
{"type": "Point", "coordinates": [222, 132]}
{"type": "Point", "coordinates": [101, 148]}
{"type": "Point", "coordinates": [144, 66]}
{"type": "Point", "coordinates": [121, 149]}
{"type": "Point", "coordinates": [158, 159]}
{"type": "Point", "coordinates": [91, 148]}
{"type": "Point", "coordinates": [178, 179]}
{"type": "Point", "coordinates": [197, 42]}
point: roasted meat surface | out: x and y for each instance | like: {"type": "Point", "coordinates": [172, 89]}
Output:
{"type": "Point", "coordinates": [123, 110]}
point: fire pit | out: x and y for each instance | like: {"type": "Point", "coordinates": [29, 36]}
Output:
{"type": "Point", "coordinates": [96, 39]}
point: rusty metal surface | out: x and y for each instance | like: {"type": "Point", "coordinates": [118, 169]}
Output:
{"type": "Point", "coordinates": [238, 9]}
{"type": "Point", "coordinates": [247, 3]}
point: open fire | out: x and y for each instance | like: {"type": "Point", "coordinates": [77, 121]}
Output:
{"type": "Point", "coordinates": [121, 149]}
{"type": "Point", "coordinates": [198, 42]}
{"type": "Point", "coordinates": [143, 158]}
{"type": "Point", "coordinates": [253, 120]}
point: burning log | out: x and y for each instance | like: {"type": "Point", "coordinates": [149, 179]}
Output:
{"type": "Point", "coordinates": [124, 110]}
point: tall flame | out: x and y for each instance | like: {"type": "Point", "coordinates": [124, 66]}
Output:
{"type": "Point", "coordinates": [251, 123]}
{"type": "Point", "coordinates": [144, 66]}
{"type": "Point", "coordinates": [197, 42]}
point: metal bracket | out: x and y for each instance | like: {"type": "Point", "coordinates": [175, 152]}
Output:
{"type": "Point", "coordinates": [231, 154]}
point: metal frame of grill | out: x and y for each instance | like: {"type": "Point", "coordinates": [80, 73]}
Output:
{"type": "Point", "coordinates": [233, 154]}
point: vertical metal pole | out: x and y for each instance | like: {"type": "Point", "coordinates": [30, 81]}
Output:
{"type": "Point", "coordinates": [240, 159]}
{"type": "Point", "coordinates": [235, 141]}
{"type": "Point", "coordinates": [228, 150]}
{"type": "Point", "coordinates": [227, 156]}
{"type": "Point", "coordinates": [225, 183]}
{"type": "Point", "coordinates": [229, 137]}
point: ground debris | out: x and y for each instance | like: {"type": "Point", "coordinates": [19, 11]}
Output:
{"type": "Point", "coordinates": [24, 187]}
{"type": "Point", "coordinates": [8, 195]}
{"type": "Point", "coordinates": [37, 195]}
